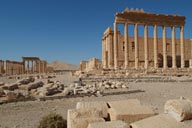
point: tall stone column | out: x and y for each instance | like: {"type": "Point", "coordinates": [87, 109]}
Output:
{"type": "Point", "coordinates": [39, 64]}
{"type": "Point", "coordinates": [28, 66]}
{"type": "Point", "coordinates": [146, 46]}
{"type": "Point", "coordinates": [115, 46]}
{"type": "Point", "coordinates": [43, 67]}
{"type": "Point", "coordinates": [126, 45]}
{"type": "Point", "coordinates": [173, 48]}
{"type": "Point", "coordinates": [155, 47]}
{"type": "Point", "coordinates": [109, 43]}
{"type": "Point", "coordinates": [0, 66]}
{"type": "Point", "coordinates": [111, 63]}
{"type": "Point", "coordinates": [103, 53]}
{"type": "Point", "coordinates": [6, 67]}
{"type": "Point", "coordinates": [32, 67]}
{"type": "Point", "coordinates": [164, 48]}
{"type": "Point", "coordinates": [108, 51]}
{"type": "Point", "coordinates": [182, 46]}
{"type": "Point", "coordinates": [136, 46]}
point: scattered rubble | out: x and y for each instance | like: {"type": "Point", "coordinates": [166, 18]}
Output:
{"type": "Point", "coordinates": [125, 114]}
{"type": "Point", "coordinates": [36, 88]}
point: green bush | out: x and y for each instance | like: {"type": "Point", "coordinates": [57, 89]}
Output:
{"type": "Point", "coordinates": [53, 121]}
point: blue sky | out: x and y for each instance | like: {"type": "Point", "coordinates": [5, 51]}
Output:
{"type": "Point", "coordinates": [69, 30]}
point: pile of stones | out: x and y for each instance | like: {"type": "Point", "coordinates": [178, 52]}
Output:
{"type": "Point", "coordinates": [94, 88]}
{"type": "Point", "coordinates": [34, 88]}
{"type": "Point", "coordinates": [29, 88]}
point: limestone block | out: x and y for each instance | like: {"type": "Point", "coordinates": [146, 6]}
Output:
{"type": "Point", "coordinates": [159, 121]}
{"type": "Point", "coordinates": [26, 80]}
{"type": "Point", "coordinates": [180, 109]}
{"type": "Point", "coordinates": [31, 86]}
{"type": "Point", "coordinates": [80, 118]}
{"type": "Point", "coordinates": [112, 124]}
{"type": "Point", "coordinates": [10, 86]}
{"type": "Point", "coordinates": [101, 106]}
{"type": "Point", "coordinates": [35, 85]}
{"type": "Point", "coordinates": [2, 83]}
{"type": "Point", "coordinates": [84, 122]}
{"type": "Point", "coordinates": [52, 91]}
{"type": "Point", "coordinates": [129, 111]}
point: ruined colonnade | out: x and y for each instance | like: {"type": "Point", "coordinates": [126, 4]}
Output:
{"type": "Point", "coordinates": [1, 66]}
{"type": "Point", "coordinates": [13, 67]}
{"type": "Point", "coordinates": [34, 65]}
{"type": "Point", "coordinates": [146, 46]}
{"type": "Point", "coordinates": [28, 65]}
{"type": "Point", "coordinates": [140, 18]}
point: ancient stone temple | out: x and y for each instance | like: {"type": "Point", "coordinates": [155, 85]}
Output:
{"type": "Point", "coordinates": [28, 65]}
{"type": "Point", "coordinates": [124, 51]}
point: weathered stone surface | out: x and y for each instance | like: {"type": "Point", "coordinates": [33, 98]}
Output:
{"type": "Point", "coordinates": [31, 86]}
{"type": "Point", "coordinates": [11, 95]}
{"type": "Point", "coordinates": [80, 118]}
{"type": "Point", "coordinates": [26, 80]}
{"type": "Point", "coordinates": [112, 124]}
{"type": "Point", "coordinates": [180, 109]}
{"type": "Point", "coordinates": [101, 106]}
{"type": "Point", "coordinates": [2, 83]}
{"type": "Point", "coordinates": [159, 121]}
{"type": "Point", "coordinates": [84, 122]}
{"type": "Point", "coordinates": [129, 111]}
{"type": "Point", "coordinates": [10, 86]}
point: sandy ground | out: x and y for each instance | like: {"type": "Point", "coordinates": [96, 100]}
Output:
{"type": "Point", "coordinates": [28, 114]}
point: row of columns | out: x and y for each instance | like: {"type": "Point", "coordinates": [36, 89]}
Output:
{"type": "Point", "coordinates": [35, 66]}
{"type": "Point", "coordinates": [126, 54]}
{"type": "Point", "coordinates": [13, 68]}
{"type": "Point", "coordinates": [107, 51]}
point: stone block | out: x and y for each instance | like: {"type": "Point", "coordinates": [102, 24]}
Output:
{"type": "Point", "coordinates": [180, 109]}
{"type": "Point", "coordinates": [2, 83]}
{"type": "Point", "coordinates": [101, 106]}
{"type": "Point", "coordinates": [84, 122]}
{"type": "Point", "coordinates": [80, 118]}
{"type": "Point", "coordinates": [129, 111]}
{"type": "Point", "coordinates": [159, 121]}
{"type": "Point", "coordinates": [31, 86]}
{"type": "Point", "coordinates": [10, 86]}
{"type": "Point", "coordinates": [111, 124]}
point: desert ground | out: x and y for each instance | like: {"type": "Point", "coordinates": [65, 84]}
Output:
{"type": "Point", "coordinates": [28, 114]}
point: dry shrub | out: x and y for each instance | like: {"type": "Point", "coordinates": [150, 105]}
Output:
{"type": "Point", "coordinates": [53, 121]}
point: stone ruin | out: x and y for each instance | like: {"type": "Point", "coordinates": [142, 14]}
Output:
{"type": "Point", "coordinates": [29, 65]}
{"type": "Point", "coordinates": [129, 114]}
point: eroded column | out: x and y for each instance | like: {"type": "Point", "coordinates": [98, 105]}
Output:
{"type": "Point", "coordinates": [0, 66]}
{"type": "Point", "coordinates": [126, 46]}
{"type": "Point", "coordinates": [173, 48]}
{"type": "Point", "coordinates": [136, 46]}
{"type": "Point", "coordinates": [28, 67]}
{"type": "Point", "coordinates": [115, 46]}
{"type": "Point", "coordinates": [103, 53]}
{"type": "Point", "coordinates": [155, 47]}
{"type": "Point", "coordinates": [146, 46]}
{"type": "Point", "coordinates": [164, 48]}
{"type": "Point", "coordinates": [182, 46]}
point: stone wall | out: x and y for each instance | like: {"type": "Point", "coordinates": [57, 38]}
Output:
{"type": "Point", "coordinates": [92, 64]}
